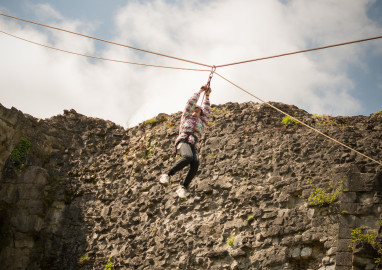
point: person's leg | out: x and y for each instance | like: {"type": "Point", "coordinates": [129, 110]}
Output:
{"type": "Point", "coordinates": [194, 165]}
{"type": "Point", "coordinates": [187, 157]}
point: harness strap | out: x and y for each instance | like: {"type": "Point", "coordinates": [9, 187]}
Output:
{"type": "Point", "coordinates": [186, 141]}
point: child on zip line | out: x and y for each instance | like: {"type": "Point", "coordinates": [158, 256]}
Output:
{"type": "Point", "coordinates": [192, 124]}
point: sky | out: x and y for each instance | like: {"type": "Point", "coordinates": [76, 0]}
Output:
{"type": "Point", "coordinates": [345, 80]}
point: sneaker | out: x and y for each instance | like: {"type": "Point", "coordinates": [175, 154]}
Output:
{"type": "Point", "coordinates": [181, 191]}
{"type": "Point", "coordinates": [164, 179]}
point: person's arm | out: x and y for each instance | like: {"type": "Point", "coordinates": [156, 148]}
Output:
{"type": "Point", "coordinates": [206, 107]}
{"type": "Point", "coordinates": [190, 106]}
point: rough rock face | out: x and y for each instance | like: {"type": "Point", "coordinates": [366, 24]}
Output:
{"type": "Point", "coordinates": [87, 193]}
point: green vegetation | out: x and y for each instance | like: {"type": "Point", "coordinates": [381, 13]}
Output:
{"type": "Point", "coordinates": [320, 197]}
{"type": "Point", "coordinates": [83, 259]}
{"type": "Point", "coordinates": [326, 120]}
{"type": "Point", "coordinates": [288, 120]}
{"type": "Point", "coordinates": [109, 264]}
{"type": "Point", "coordinates": [323, 119]}
{"type": "Point", "coordinates": [344, 212]}
{"type": "Point", "coordinates": [169, 124]}
{"type": "Point", "coordinates": [357, 236]}
{"type": "Point", "coordinates": [20, 152]}
{"type": "Point", "coordinates": [250, 218]}
{"type": "Point", "coordinates": [379, 113]}
{"type": "Point", "coordinates": [102, 138]}
{"type": "Point", "coordinates": [211, 123]}
{"type": "Point", "coordinates": [150, 121]}
{"type": "Point", "coordinates": [148, 147]}
{"type": "Point", "coordinates": [318, 116]}
{"type": "Point", "coordinates": [217, 111]}
{"type": "Point", "coordinates": [211, 155]}
{"type": "Point", "coordinates": [231, 240]}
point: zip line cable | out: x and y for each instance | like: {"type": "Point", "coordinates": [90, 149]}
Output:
{"type": "Point", "coordinates": [297, 120]}
{"type": "Point", "coordinates": [101, 58]}
{"type": "Point", "coordinates": [107, 41]}
{"type": "Point", "coordinates": [303, 51]}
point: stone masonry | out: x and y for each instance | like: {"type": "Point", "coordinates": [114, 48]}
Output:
{"type": "Point", "coordinates": [87, 193]}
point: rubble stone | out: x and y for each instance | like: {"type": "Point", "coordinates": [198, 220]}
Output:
{"type": "Point", "coordinates": [88, 191]}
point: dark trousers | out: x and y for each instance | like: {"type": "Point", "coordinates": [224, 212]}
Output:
{"type": "Point", "coordinates": [189, 157]}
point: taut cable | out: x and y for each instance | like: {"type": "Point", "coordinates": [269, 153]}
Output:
{"type": "Point", "coordinates": [101, 58]}
{"type": "Point", "coordinates": [303, 51]}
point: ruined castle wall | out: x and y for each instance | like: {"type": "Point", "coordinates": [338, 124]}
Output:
{"type": "Point", "coordinates": [89, 192]}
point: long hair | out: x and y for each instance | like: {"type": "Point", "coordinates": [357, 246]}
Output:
{"type": "Point", "coordinates": [201, 110]}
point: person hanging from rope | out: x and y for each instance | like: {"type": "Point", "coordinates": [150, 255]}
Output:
{"type": "Point", "coordinates": [192, 124]}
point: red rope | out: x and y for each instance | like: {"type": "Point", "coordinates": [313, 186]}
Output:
{"type": "Point", "coordinates": [208, 82]}
{"type": "Point", "coordinates": [303, 51]}
{"type": "Point", "coordinates": [107, 41]}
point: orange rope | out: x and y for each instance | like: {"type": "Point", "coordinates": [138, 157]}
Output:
{"type": "Point", "coordinates": [101, 58]}
{"type": "Point", "coordinates": [103, 40]}
{"type": "Point", "coordinates": [303, 51]}
{"type": "Point", "coordinates": [312, 128]}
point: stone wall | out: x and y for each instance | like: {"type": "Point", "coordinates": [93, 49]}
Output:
{"type": "Point", "coordinates": [88, 191]}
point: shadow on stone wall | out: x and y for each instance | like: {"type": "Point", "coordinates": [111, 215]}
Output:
{"type": "Point", "coordinates": [40, 228]}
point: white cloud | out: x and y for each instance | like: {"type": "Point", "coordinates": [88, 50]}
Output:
{"type": "Point", "coordinates": [46, 11]}
{"type": "Point", "coordinates": [213, 32]}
